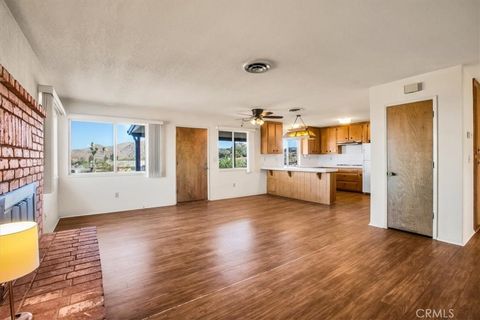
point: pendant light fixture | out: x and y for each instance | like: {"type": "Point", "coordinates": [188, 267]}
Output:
{"type": "Point", "coordinates": [299, 129]}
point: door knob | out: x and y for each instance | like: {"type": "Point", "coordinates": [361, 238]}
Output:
{"type": "Point", "coordinates": [391, 174]}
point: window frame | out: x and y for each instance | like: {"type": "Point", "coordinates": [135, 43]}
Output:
{"type": "Point", "coordinates": [114, 122]}
{"type": "Point", "coordinates": [233, 168]}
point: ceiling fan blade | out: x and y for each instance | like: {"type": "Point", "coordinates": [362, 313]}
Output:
{"type": "Point", "coordinates": [267, 113]}
{"type": "Point", "coordinates": [273, 117]}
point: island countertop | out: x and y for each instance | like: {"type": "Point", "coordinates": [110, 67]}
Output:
{"type": "Point", "coordinates": [302, 169]}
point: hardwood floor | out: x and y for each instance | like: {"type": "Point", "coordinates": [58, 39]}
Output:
{"type": "Point", "coordinates": [266, 257]}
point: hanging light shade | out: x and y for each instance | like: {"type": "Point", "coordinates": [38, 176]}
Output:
{"type": "Point", "coordinates": [300, 130]}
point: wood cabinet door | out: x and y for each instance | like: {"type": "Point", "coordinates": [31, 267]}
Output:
{"type": "Point", "coordinates": [324, 140]}
{"type": "Point", "coordinates": [366, 132]}
{"type": "Point", "coordinates": [355, 132]}
{"type": "Point", "coordinates": [316, 141]}
{"type": "Point", "coordinates": [264, 139]}
{"type": "Point", "coordinates": [342, 134]}
{"type": "Point", "coordinates": [313, 145]}
{"type": "Point", "coordinates": [332, 140]}
{"type": "Point", "coordinates": [271, 138]}
{"type": "Point", "coordinates": [278, 138]}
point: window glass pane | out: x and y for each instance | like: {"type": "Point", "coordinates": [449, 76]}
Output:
{"type": "Point", "coordinates": [91, 147]}
{"type": "Point", "coordinates": [240, 140]}
{"type": "Point", "coordinates": [225, 149]}
{"type": "Point", "coordinates": [290, 152]}
{"type": "Point", "coordinates": [130, 147]}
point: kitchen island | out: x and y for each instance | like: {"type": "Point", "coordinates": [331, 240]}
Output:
{"type": "Point", "coordinates": [308, 184]}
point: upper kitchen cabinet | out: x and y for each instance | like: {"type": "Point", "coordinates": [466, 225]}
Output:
{"type": "Point", "coordinates": [271, 138]}
{"type": "Point", "coordinates": [355, 132]}
{"type": "Point", "coordinates": [366, 132]}
{"type": "Point", "coordinates": [342, 134]}
{"type": "Point", "coordinates": [313, 145]}
{"type": "Point", "coordinates": [328, 140]}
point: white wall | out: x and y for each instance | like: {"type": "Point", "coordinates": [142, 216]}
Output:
{"type": "Point", "coordinates": [91, 195]}
{"type": "Point", "coordinates": [18, 57]}
{"type": "Point", "coordinates": [447, 85]}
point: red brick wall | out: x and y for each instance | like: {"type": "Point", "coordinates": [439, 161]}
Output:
{"type": "Point", "coordinates": [21, 140]}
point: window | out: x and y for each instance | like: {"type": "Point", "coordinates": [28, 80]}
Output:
{"type": "Point", "coordinates": [106, 147]}
{"type": "Point", "coordinates": [290, 152]}
{"type": "Point", "coordinates": [232, 149]}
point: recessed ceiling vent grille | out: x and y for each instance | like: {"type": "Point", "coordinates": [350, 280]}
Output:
{"type": "Point", "coordinates": [257, 67]}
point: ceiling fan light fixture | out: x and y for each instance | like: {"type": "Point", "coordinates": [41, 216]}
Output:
{"type": "Point", "coordinates": [257, 121]}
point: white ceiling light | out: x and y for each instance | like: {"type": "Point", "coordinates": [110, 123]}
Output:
{"type": "Point", "coordinates": [345, 120]}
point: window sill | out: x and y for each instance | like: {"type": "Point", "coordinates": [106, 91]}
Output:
{"type": "Point", "coordinates": [106, 174]}
{"type": "Point", "coordinates": [232, 169]}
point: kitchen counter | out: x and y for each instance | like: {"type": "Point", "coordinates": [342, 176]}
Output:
{"type": "Point", "coordinates": [308, 184]}
{"type": "Point", "coordinates": [302, 169]}
{"type": "Point", "coordinates": [345, 167]}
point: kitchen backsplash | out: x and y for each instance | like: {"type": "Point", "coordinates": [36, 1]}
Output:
{"type": "Point", "coordinates": [351, 155]}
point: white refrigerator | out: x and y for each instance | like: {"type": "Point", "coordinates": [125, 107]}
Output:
{"type": "Point", "coordinates": [366, 167]}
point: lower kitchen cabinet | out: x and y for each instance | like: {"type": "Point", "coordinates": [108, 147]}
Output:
{"type": "Point", "coordinates": [349, 180]}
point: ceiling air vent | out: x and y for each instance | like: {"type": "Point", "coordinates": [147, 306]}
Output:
{"type": "Point", "coordinates": [257, 67]}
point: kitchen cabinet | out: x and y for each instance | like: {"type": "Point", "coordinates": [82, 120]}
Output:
{"type": "Point", "coordinates": [328, 140]}
{"type": "Point", "coordinates": [313, 145]}
{"type": "Point", "coordinates": [366, 132]}
{"type": "Point", "coordinates": [342, 134]}
{"type": "Point", "coordinates": [350, 134]}
{"type": "Point", "coordinates": [355, 132]}
{"type": "Point", "coordinates": [349, 179]}
{"type": "Point", "coordinates": [271, 138]}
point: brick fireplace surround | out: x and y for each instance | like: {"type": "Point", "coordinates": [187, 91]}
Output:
{"type": "Point", "coordinates": [21, 140]}
{"type": "Point", "coordinates": [68, 283]}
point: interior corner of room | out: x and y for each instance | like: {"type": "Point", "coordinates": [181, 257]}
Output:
{"type": "Point", "coordinates": [173, 160]}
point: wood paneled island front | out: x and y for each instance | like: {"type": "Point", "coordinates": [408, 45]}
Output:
{"type": "Point", "coordinates": [309, 184]}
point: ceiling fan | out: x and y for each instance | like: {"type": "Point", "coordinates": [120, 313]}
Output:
{"type": "Point", "coordinates": [258, 116]}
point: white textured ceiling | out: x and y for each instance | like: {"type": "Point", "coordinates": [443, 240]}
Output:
{"type": "Point", "coordinates": [187, 55]}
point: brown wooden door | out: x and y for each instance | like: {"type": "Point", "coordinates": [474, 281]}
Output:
{"type": "Point", "coordinates": [410, 167]}
{"type": "Point", "coordinates": [476, 154]}
{"type": "Point", "coordinates": [191, 164]}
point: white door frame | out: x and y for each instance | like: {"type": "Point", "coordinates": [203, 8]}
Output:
{"type": "Point", "coordinates": [434, 100]}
